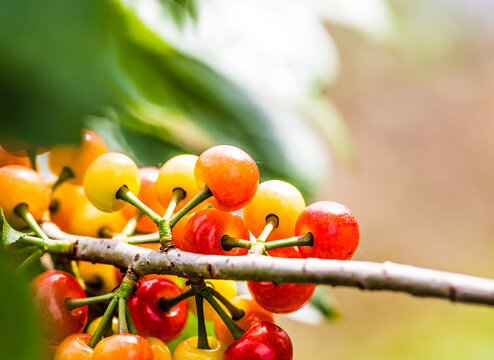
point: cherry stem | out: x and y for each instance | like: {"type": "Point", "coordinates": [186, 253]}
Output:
{"type": "Point", "coordinates": [65, 175]}
{"type": "Point", "coordinates": [302, 240]}
{"type": "Point", "coordinates": [30, 259]}
{"type": "Point", "coordinates": [143, 239]}
{"type": "Point", "coordinates": [124, 291]}
{"type": "Point", "coordinates": [130, 228]}
{"type": "Point", "coordinates": [122, 316]}
{"type": "Point", "coordinates": [22, 251]}
{"type": "Point", "coordinates": [130, 322]}
{"type": "Point", "coordinates": [202, 195]}
{"type": "Point", "coordinates": [178, 195]}
{"type": "Point", "coordinates": [236, 313]}
{"type": "Point", "coordinates": [52, 246]}
{"type": "Point", "coordinates": [126, 195]}
{"type": "Point", "coordinates": [259, 246]}
{"type": "Point", "coordinates": [23, 212]}
{"type": "Point", "coordinates": [166, 304]}
{"type": "Point", "coordinates": [235, 330]}
{"type": "Point", "coordinates": [75, 303]}
{"type": "Point", "coordinates": [228, 243]}
{"type": "Point", "coordinates": [202, 341]}
{"type": "Point", "coordinates": [31, 153]}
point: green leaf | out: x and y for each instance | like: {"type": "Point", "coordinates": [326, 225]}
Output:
{"type": "Point", "coordinates": [9, 235]}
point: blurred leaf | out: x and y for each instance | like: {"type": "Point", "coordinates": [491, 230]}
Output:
{"type": "Point", "coordinates": [19, 337]}
{"type": "Point", "coordinates": [9, 234]}
{"type": "Point", "coordinates": [179, 10]}
{"type": "Point", "coordinates": [324, 305]}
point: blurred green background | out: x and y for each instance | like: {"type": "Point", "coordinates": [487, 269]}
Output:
{"type": "Point", "coordinates": [385, 106]}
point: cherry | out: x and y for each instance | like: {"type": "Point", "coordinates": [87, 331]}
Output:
{"type": "Point", "coordinates": [123, 347]}
{"type": "Point", "coordinates": [206, 228]}
{"type": "Point", "coordinates": [231, 175]}
{"type": "Point", "coordinates": [149, 318]}
{"type": "Point", "coordinates": [74, 347]}
{"type": "Point", "coordinates": [50, 289]}
{"type": "Point", "coordinates": [334, 229]}
{"type": "Point", "coordinates": [263, 341]}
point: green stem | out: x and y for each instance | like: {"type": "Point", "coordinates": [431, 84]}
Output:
{"type": "Point", "coordinates": [107, 316]}
{"type": "Point", "coordinates": [130, 322]}
{"type": "Point", "coordinates": [259, 246]}
{"type": "Point", "coordinates": [31, 153]}
{"type": "Point", "coordinates": [126, 195]}
{"type": "Point", "coordinates": [75, 303]}
{"type": "Point", "coordinates": [143, 239]}
{"type": "Point", "coordinates": [228, 243]}
{"type": "Point", "coordinates": [235, 330]}
{"type": "Point", "coordinates": [130, 228]}
{"type": "Point", "coordinates": [52, 246]}
{"type": "Point", "coordinates": [302, 240]}
{"type": "Point", "coordinates": [178, 195]}
{"type": "Point", "coordinates": [23, 211]}
{"type": "Point", "coordinates": [166, 304]}
{"type": "Point", "coordinates": [30, 259]}
{"type": "Point", "coordinates": [202, 195]}
{"type": "Point", "coordinates": [65, 175]}
{"type": "Point", "coordinates": [202, 341]}
{"type": "Point", "coordinates": [122, 316]}
{"type": "Point", "coordinates": [236, 313]}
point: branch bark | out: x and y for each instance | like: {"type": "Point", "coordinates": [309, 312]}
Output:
{"type": "Point", "coordinates": [363, 275]}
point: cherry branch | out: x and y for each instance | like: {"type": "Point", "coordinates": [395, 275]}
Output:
{"type": "Point", "coordinates": [363, 275]}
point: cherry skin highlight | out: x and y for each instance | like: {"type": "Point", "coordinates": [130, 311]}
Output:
{"type": "Point", "coordinates": [334, 229]}
{"type": "Point", "coordinates": [123, 347]}
{"type": "Point", "coordinates": [74, 347]}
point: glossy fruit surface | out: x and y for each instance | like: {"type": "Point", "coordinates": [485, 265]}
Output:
{"type": "Point", "coordinates": [99, 278]}
{"type": "Point", "coordinates": [148, 318]}
{"type": "Point", "coordinates": [77, 157]}
{"type": "Point", "coordinates": [263, 341]}
{"type": "Point", "coordinates": [8, 159]}
{"type": "Point", "coordinates": [334, 229]}
{"type": "Point", "coordinates": [105, 176]}
{"type": "Point", "coordinates": [204, 231]}
{"type": "Point", "coordinates": [89, 221]}
{"type": "Point", "coordinates": [253, 314]}
{"type": "Point", "coordinates": [187, 350]}
{"type": "Point", "coordinates": [50, 289]}
{"type": "Point", "coordinates": [148, 196]}
{"type": "Point", "coordinates": [74, 347]}
{"type": "Point", "coordinates": [65, 201]}
{"type": "Point", "coordinates": [178, 230]}
{"type": "Point", "coordinates": [20, 184]}
{"type": "Point", "coordinates": [178, 172]}
{"type": "Point", "coordinates": [280, 299]}
{"type": "Point", "coordinates": [160, 350]}
{"type": "Point", "coordinates": [227, 288]}
{"type": "Point", "coordinates": [123, 347]}
{"type": "Point", "coordinates": [91, 328]}
{"type": "Point", "coordinates": [231, 175]}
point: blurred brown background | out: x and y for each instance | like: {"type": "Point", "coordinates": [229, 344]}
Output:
{"type": "Point", "coordinates": [423, 193]}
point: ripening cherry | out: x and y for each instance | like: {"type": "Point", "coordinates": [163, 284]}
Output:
{"type": "Point", "coordinates": [106, 175]}
{"type": "Point", "coordinates": [178, 173]}
{"type": "Point", "coordinates": [263, 341]}
{"type": "Point", "coordinates": [77, 157]}
{"type": "Point", "coordinates": [123, 347]}
{"type": "Point", "coordinates": [160, 350]}
{"type": "Point", "coordinates": [253, 314]}
{"type": "Point", "coordinates": [21, 185]}
{"type": "Point", "coordinates": [149, 318]}
{"type": "Point", "coordinates": [204, 231]}
{"type": "Point", "coordinates": [99, 278]}
{"type": "Point", "coordinates": [86, 220]}
{"type": "Point", "coordinates": [65, 201]}
{"type": "Point", "coordinates": [74, 347]}
{"type": "Point", "coordinates": [279, 198]}
{"type": "Point", "coordinates": [334, 229]}
{"type": "Point", "coordinates": [187, 350]}
{"type": "Point", "coordinates": [227, 288]}
{"type": "Point", "coordinates": [8, 159]}
{"type": "Point", "coordinates": [50, 289]}
{"type": "Point", "coordinates": [147, 195]}
{"type": "Point", "coordinates": [231, 175]}
{"type": "Point", "coordinates": [178, 230]}
{"type": "Point", "coordinates": [93, 325]}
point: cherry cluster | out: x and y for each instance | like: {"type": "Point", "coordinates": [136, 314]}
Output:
{"type": "Point", "coordinates": [191, 203]}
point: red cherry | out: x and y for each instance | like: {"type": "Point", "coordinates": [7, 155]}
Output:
{"type": "Point", "coordinates": [333, 227]}
{"type": "Point", "coordinates": [148, 317]}
{"type": "Point", "coordinates": [204, 230]}
{"type": "Point", "coordinates": [231, 175]}
{"type": "Point", "coordinates": [51, 288]}
{"type": "Point", "coordinates": [123, 347]}
{"type": "Point", "coordinates": [74, 347]}
{"type": "Point", "coordinates": [263, 341]}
